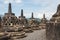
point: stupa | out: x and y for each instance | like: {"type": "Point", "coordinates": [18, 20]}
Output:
{"type": "Point", "coordinates": [24, 23]}
{"type": "Point", "coordinates": [42, 24]}
{"type": "Point", "coordinates": [10, 24]}
{"type": "Point", "coordinates": [9, 18]}
{"type": "Point", "coordinates": [33, 23]}
{"type": "Point", "coordinates": [53, 27]}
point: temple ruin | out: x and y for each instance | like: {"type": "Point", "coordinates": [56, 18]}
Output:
{"type": "Point", "coordinates": [12, 27]}
{"type": "Point", "coordinates": [53, 26]}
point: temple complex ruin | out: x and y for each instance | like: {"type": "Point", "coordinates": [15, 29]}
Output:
{"type": "Point", "coordinates": [12, 27]}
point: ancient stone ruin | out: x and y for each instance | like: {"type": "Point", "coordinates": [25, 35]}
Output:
{"type": "Point", "coordinates": [33, 23]}
{"type": "Point", "coordinates": [53, 26]}
{"type": "Point", "coordinates": [42, 25]}
{"type": "Point", "coordinates": [12, 27]}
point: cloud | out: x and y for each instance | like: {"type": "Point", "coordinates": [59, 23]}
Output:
{"type": "Point", "coordinates": [13, 1]}
{"type": "Point", "coordinates": [8, 1]}
{"type": "Point", "coordinates": [18, 1]}
{"type": "Point", "coordinates": [49, 7]}
{"type": "Point", "coordinates": [43, 6]}
{"type": "Point", "coordinates": [42, 2]}
{"type": "Point", "coordinates": [39, 13]}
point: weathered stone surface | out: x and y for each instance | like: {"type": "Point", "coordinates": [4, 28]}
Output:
{"type": "Point", "coordinates": [36, 35]}
{"type": "Point", "coordinates": [53, 27]}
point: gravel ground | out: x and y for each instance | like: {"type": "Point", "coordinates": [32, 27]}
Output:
{"type": "Point", "coordinates": [36, 35]}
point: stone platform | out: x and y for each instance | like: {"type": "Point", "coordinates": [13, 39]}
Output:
{"type": "Point", "coordinates": [36, 35]}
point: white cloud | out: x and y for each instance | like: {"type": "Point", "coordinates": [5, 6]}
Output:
{"type": "Point", "coordinates": [42, 2]}
{"type": "Point", "coordinates": [49, 7]}
{"type": "Point", "coordinates": [13, 1]}
{"type": "Point", "coordinates": [18, 1]}
{"type": "Point", "coordinates": [8, 1]}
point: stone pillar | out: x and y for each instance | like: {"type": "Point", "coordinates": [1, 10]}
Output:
{"type": "Point", "coordinates": [9, 8]}
{"type": "Point", "coordinates": [44, 16]}
{"type": "Point", "coordinates": [32, 15]}
{"type": "Point", "coordinates": [21, 12]}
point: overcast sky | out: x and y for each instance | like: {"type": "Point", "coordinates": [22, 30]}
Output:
{"type": "Point", "coordinates": [38, 7]}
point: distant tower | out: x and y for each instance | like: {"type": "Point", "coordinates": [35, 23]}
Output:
{"type": "Point", "coordinates": [43, 19]}
{"type": "Point", "coordinates": [22, 15]}
{"type": "Point", "coordinates": [32, 15]}
{"type": "Point", "coordinates": [9, 8]}
{"type": "Point", "coordinates": [44, 16]}
{"type": "Point", "coordinates": [21, 12]}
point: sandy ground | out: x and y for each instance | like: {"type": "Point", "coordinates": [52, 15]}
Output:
{"type": "Point", "coordinates": [36, 35]}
